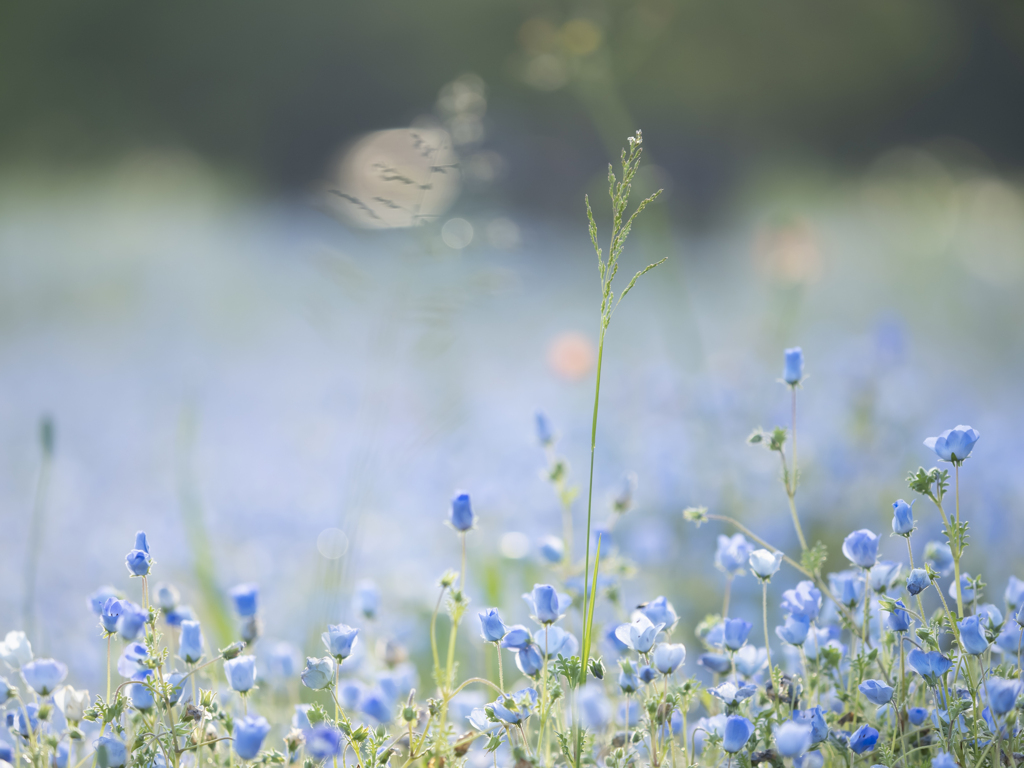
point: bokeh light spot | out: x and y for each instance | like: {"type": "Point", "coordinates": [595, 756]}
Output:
{"type": "Point", "coordinates": [457, 233]}
{"type": "Point", "coordinates": [571, 355]}
{"type": "Point", "coordinates": [514, 545]}
{"type": "Point", "coordinates": [332, 543]}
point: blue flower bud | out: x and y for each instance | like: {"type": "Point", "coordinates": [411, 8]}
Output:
{"type": "Point", "coordinates": [545, 434]}
{"type": "Point", "coordinates": [529, 659]}
{"type": "Point", "coordinates": [668, 657]}
{"type": "Point", "coordinates": [461, 514]}
{"type": "Point", "coordinates": [966, 589]}
{"type": "Point", "coordinates": [898, 620]}
{"type": "Point", "coordinates": [794, 370]}
{"type": "Point", "coordinates": [918, 581]}
{"type": "Point", "coordinates": [930, 665]}
{"type": "Point", "coordinates": [138, 560]}
{"type": "Point", "coordinates": [765, 564]}
{"type": "Point", "coordinates": [971, 636]}
{"type": "Point", "coordinates": [515, 708]}
{"type": "Point", "coordinates": [546, 605]}
{"type": "Point", "coordinates": [716, 662]}
{"type": "Point", "coordinates": [883, 575]}
{"type": "Point", "coordinates": [110, 752]}
{"type": "Point", "coordinates": [903, 517]}
{"type": "Point", "coordinates": [847, 586]}
{"type": "Point", "coordinates": [366, 599]}
{"type": "Point", "coordinates": [319, 673]}
{"type": "Point", "coordinates": [166, 596]}
{"type": "Point", "coordinates": [792, 738]}
{"type": "Point", "coordinates": [876, 691]}
{"type": "Point", "coordinates": [732, 554]}
{"type": "Point", "coordinates": [491, 627]}
{"type": "Point", "coordinates": [1014, 593]}
{"type": "Point", "coordinates": [140, 695]}
{"type": "Point", "coordinates": [378, 706]}
{"type": "Point", "coordinates": [130, 662]}
{"type": "Point", "coordinates": [815, 718]}
{"type": "Point", "coordinates": [647, 674]}
{"type": "Point", "coordinates": [191, 647]}
{"type": "Point", "coordinates": [738, 731]}
{"type": "Point", "coordinates": [861, 548]}
{"type": "Point", "coordinates": [27, 719]}
{"type": "Point", "coordinates": [660, 611]}
{"type": "Point", "coordinates": [245, 598]}
{"type": "Point", "coordinates": [917, 715]}
{"type": "Point", "coordinates": [794, 631]}
{"type": "Point", "coordinates": [131, 621]}
{"type": "Point", "coordinates": [323, 742]}
{"type": "Point", "coordinates": [803, 602]}
{"type": "Point", "coordinates": [241, 673]}
{"type": "Point", "coordinates": [955, 444]}
{"type": "Point", "coordinates": [736, 631]}
{"type": "Point", "coordinates": [176, 679]}
{"type": "Point", "coordinates": [863, 740]}
{"type": "Point", "coordinates": [628, 680]}
{"type": "Point", "coordinates": [249, 734]}
{"type": "Point", "coordinates": [516, 637]}
{"type": "Point", "coordinates": [939, 556]}
{"type": "Point", "coordinates": [99, 598]}
{"type": "Point", "coordinates": [340, 639]}
{"type": "Point", "coordinates": [44, 675]}
{"type": "Point", "coordinates": [1002, 694]}
{"type": "Point", "coordinates": [552, 549]}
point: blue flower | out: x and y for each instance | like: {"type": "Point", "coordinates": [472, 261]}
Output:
{"type": "Point", "coordinates": [99, 598]}
{"type": "Point", "coordinates": [339, 639]}
{"type": "Point", "coordinates": [1002, 694]}
{"type": "Point", "coordinates": [883, 574]}
{"type": "Point", "coordinates": [898, 620]}
{"type": "Point", "coordinates": [27, 717]}
{"type": "Point", "coordinates": [863, 740]}
{"type": "Point", "coordinates": [809, 760]}
{"type": "Point", "coordinates": [861, 548]}
{"type": "Point", "coordinates": [716, 662]}
{"type": "Point", "coordinates": [109, 614]}
{"type": "Point", "coordinates": [555, 641]}
{"type": "Point", "coordinates": [966, 588]}
{"type": "Point", "coordinates": [792, 738]}
{"type": "Point", "coordinates": [731, 693]}
{"type": "Point", "coordinates": [738, 731]}
{"type": "Point", "coordinates": [110, 752]}
{"type": "Point", "coordinates": [803, 602]}
{"type": "Point", "coordinates": [990, 618]}
{"type": "Point", "coordinates": [647, 674]}
{"type": "Point", "coordinates": [141, 696]}
{"type": "Point", "coordinates": [529, 659]}
{"type": "Point", "coordinates": [366, 599]}
{"type": "Point", "coordinates": [971, 637]}
{"type": "Point", "coordinates": [667, 657]}
{"type": "Point", "coordinates": [461, 514]}
{"type": "Point", "coordinates": [319, 673]}
{"type": "Point", "coordinates": [764, 564]}
{"type": "Point", "coordinates": [249, 735]}
{"type": "Point", "coordinates": [733, 554]}
{"type": "Point", "coordinates": [918, 581]}
{"type": "Point", "coordinates": [735, 633]}
{"type": "Point", "coordinates": [515, 708]}
{"type": "Point", "coordinates": [6, 752]}
{"type": "Point", "coordinates": [517, 636]}
{"type": "Point", "coordinates": [178, 615]}
{"type": "Point", "coordinates": [176, 679]}
{"type": "Point", "coordinates": [877, 692]}
{"type": "Point", "coordinates": [138, 560]}
{"type": "Point", "coordinates": [794, 631]}
{"type": "Point", "coordinates": [167, 597]}
{"type": "Point", "coordinates": [378, 706]}
{"type": "Point", "coordinates": [1019, 617]}
{"type": "Point", "coordinates": [44, 675]}
{"type": "Point", "coordinates": [944, 760]}
{"type": "Point", "coordinates": [639, 635]}
{"type": "Point", "coordinates": [131, 620]}
{"type": "Point", "coordinates": [323, 742]}
{"type": "Point", "coordinates": [815, 718]}
{"type": "Point", "coordinates": [794, 370]}
{"type": "Point", "coordinates": [917, 715]}
{"type": "Point", "coordinates": [660, 611]}
{"type": "Point", "coordinates": [955, 444]}
{"type": "Point", "coordinates": [552, 549]}
{"type": "Point", "coordinates": [930, 665]}
{"type": "Point", "coordinates": [902, 517]}
{"type": "Point", "coordinates": [847, 586]}
{"type": "Point", "coordinates": [628, 681]}
{"type": "Point", "coordinates": [545, 434]}
{"type": "Point", "coordinates": [546, 605]}
{"type": "Point", "coordinates": [246, 599]}
{"type": "Point", "coordinates": [129, 664]}
{"type": "Point", "coordinates": [595, 710]}
{"type": "Point", "coordinates": [350, 693]}
{"type": "Point", "coordinates": [1014, 593]}
{"type": "Point", "coordinates": [750, 660]}
{"type": "Point", "coordinates": [939, 556]}
{"type": "Point", "coordinates": [492, 629]}
{"type": "Point", "coordinates": [241, 673]}
{"type": "Point", "coordinates": [191, 648]}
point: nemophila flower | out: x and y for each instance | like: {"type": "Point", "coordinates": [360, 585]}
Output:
{"type": "Point", "coordinates": [716, 662]}
{"type": "Point", "coordinates": [939, 556]}
{"type": "Point", "coordinates": [623, 500]}
{"type": "Point", "coordinates": [971, 636]}
{"type": "Point", "coordinates": [863, 740]}
{"type": "Point", "coordinates": [898, 620]}
{"type": "Point", "coordinates": [131, 620]}
{"type": "Point", "coordinates": [750, 660]}
{"type": "Point", "coordinates": [903, 517]}
{"type": "Point", "coordinates": [350, 693]}
{"type": "Point", "coordinates": [917, 715]}
{"type": "Point", "coordinates": [6, 752]}
{"type": "Point", "coordinates": [15, 650]}
{"type": "Point", "coordinates": [847, 586]}
{"type": "Point", "coordinates": [138, 560]}
{"type": "Point", "coordinates": [735, 633]}
{"type": "Point", "coordinates": [178, 615]}
{"type": "Point", "coordinates": [319, 673]}
{"type": "Point", "coordinates": [628, 680]}
{"type": "Point", "coordinates": [815, 719]}
{"type": "Point", "coordinates": [918, 581]}
{"type": "Point", "coordinates": [546, 605]}
{"type": "Point", "coordinates": [732, 554]}
{"type": "Point", "coordinates": [190, 648]}
{"type": "Point", "coordinates": [552, 549]}
{"type": "Point", "coordinates": [1014, 593]}
{"type": "Point", "coordinates": [883, 575]}
{"type": "Point", "coordinates": [545, 433]}
{"type": "Point", "coordinates": [176, 680]}
{"type": "Point", "coordinates": [110, 752]}
{"type": "Point", "coordinates": [1002, 694]}
{"type": "Point", "coordinates": [930, 665]}
{"type": "Point", "coordinates": [340, 639]}
{"type": "Point", "coordinates": [821, 637]}
{"type": "Point", "coordinates": [140, 695]}
{"type": "Point", "coordinates": [245, 598]}
{"type": "Point", "coordinates": [250, 628]}
{"type": "Point", "coordinates": [809, 760]}
{"type": "Point", "coordinates": [765, 564]}
{"type": "Point", "coordinates": [990, 618]}
{"type": "Point", "coordinates": [378, 706]}
{"type": "Point", "coordinates": [1019, 616]}
{"type": "Point", "coordinates": [492, 629]}
{"type": "Point", "coordinates": [668, 657]}
{"type": "Point", "coordinates": [249, 734]}
{"type": "Point", "coordinates": [241, 673]}
{"type": "Point", "coordinates": [944, 760]}
{"type": "Point", "coordinates": [517, 636]}
{"type": "Point", "coordinates": [27, 718]}
{"type": "Point", "coordinates": [802, 602]}
{"type": "Point", "coordinates": [366, 599]}
{"type": "Point", "coordinates": [166, 596]}
{"type": "Point", "coordinates": [99, 598]}
{"type": "Point", "coordinates": [660, 611]}
{"type": "Point", "coordinates": [479, 720]}
{"type": "Point", "coordinates": [460, 515]}
{"type": "Point", "coordinates": [647, 674]}
{"type": "Point", "coordinates": [530, 659]}
{"type": "Point", "coordinates": [794, 369]}
{"type": "Point", "coordinates": [555, 640]}
{"type": "Point", "coordinates": [323, 741]}
{"type": "Point", "coordinates": [282, 661]}
{"type": "Point", "coordinates": [639, 635]}
{"type": "Point", "coordinates": [792, 738]}
{"type": "Point", "coordinates": [731, 693]}
{"type": "Point", "coordinates": [595, 709]}
{"type": "Point", "coordinates": [794, 631]}
{"type": "Point", "coordinates": [7, 691]}
{"type": "Point", "coordinates": [876, 691]}
{"type": "Point", "coordinates": [130, 661]}
{"type": "Point", "coordinates": [516, 707]}
{"type": "Point", "coordinates": [861, 548]}
{"type": "Point", "coordinates": [44, 675]}
{"type": "Point", "coordinates": [966, 588]}
{"type": "Point", "coordinates": [738, 731]}
{"type": "Point", "coordinates": [955, 444]}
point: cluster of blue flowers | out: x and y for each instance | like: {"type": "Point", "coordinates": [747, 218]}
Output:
{"type": "Point", "coordinates": [861, 673]}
